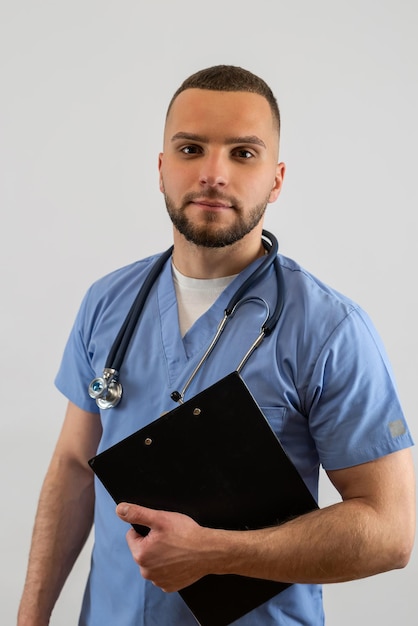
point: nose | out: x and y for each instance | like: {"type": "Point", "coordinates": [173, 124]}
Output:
{"type": "Point", "coordinates": [213, 171]}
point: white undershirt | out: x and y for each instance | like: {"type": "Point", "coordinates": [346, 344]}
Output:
{"type": "Point", "coordinates": [195, 296]}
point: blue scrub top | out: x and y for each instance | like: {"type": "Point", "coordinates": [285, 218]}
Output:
{"type": "Point", "coordinates": [322, 379]}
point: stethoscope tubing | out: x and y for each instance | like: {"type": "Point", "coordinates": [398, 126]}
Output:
{"type": "Point", "coordinates": [107, 390]}
{"type": "Point", "coordinates": [120, 346]}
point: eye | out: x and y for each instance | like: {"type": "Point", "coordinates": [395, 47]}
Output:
{"type": "Point", "coordinates": [191, 149]}
{"type": "Point", "coordinates": [243, 153]}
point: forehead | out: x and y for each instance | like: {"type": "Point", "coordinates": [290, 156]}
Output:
{"type": "Point", "coordinates": [221, 113]}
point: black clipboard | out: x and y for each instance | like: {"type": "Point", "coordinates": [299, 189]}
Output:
{"type": "Point", "coordinates": [216, 459]}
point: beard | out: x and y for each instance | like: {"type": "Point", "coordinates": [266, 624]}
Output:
{"type": "Point", "coordinates": [211, 234]}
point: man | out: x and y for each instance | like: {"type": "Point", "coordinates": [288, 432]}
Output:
{"type": "Point", "coordinates": [321, 378]}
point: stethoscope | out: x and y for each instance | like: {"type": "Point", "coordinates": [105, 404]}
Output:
{"type": "Point", "coordinates": [107, 390]}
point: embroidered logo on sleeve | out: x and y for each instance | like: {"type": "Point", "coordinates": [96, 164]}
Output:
{"type": "Point", "coordinates": [397, 428]}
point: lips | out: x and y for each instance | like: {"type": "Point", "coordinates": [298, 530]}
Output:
{"type": "Point", "coordinates": [212, 204]}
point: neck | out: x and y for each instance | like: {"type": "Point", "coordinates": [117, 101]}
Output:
{"type": "Point", "coordinates": [200, 262]}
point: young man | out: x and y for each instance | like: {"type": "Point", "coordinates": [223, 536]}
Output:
{"type": "Point", "coordinates": [321, 378]}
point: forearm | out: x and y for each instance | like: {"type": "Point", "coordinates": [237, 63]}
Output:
{"type": "Point", "coordinates": [62, 525]}
{"type": "Point", "coordinates": [343, 542]}
{"type": "Point", "coordinates": [370, 531]}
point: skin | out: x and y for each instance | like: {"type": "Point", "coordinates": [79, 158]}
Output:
{"type": "Point", "coordinates": [219, 167]}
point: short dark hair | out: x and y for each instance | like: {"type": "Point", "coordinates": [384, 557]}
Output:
{"type": "Point", "coordinates": [230, 78]}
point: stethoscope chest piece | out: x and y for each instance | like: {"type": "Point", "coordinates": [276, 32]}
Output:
{"type": "Point", "coordinates": [106, 390]}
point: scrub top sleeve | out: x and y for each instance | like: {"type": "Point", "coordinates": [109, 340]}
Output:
{"type": "Point", "coordinates": [75, 372]}
{"type": "Point", "coordinates": [354, 410]}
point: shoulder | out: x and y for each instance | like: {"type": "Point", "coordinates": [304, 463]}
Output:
{"type": "Point", "coordinates": [319, 319]}
{"type": "Point", "coordinates": [301, 282]}
{"type": "Point", "coordinates": [309, 299]}
{"type": "Point", "coordinates": [126, 275]}
{"type": "Point", "coordinates": [111, 295]}
{"type": "Point", "coordinates": [120, 281]}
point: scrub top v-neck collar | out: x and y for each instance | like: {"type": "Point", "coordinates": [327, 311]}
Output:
{"type": "Point", "coordinates": [178, 351]}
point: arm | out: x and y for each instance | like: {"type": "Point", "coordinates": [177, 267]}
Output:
{"type": "Point", "coordinates": [64, 517]}
{"type": "Point", "coordinates": [370, 531]}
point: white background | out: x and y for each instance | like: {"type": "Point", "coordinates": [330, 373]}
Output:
{"type": "Point", "coordinates": [83, 90]}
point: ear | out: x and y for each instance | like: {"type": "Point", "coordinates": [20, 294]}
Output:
{"type": "Point", "coordinates": [160, 163]}
{"type": "Point", "coordinates": [278, 182]}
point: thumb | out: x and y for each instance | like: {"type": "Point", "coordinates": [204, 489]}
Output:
{"type": "Point", "coordinates": [136, 514]}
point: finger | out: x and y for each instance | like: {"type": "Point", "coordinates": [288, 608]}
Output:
{"type": "Point", "coordinates": [136, 514]}
{"type": "Point", "coordinates": [133, 540]}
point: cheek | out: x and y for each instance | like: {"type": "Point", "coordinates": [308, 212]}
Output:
{"type": "Point", "coordinates": [259, 188]}
{"type": "Point", "coordinates": [175, 181]}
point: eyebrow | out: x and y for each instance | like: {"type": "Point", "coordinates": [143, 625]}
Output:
{"type": "Point", "coordinates": [245, 139]}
